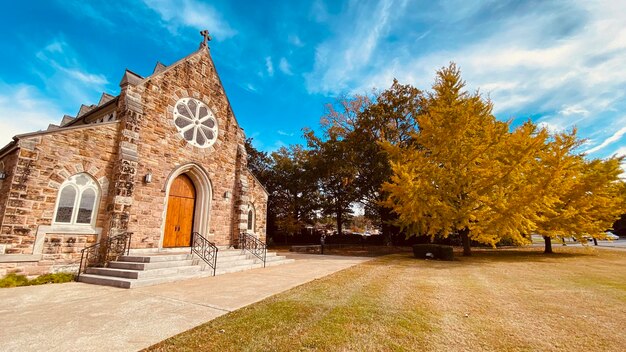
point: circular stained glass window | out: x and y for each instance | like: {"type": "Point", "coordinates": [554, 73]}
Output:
{"type": "Point", "coordinates": [195, 122]}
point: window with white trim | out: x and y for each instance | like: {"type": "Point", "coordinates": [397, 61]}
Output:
{"type": "Point", "coordinates": [195, 122]}
{"type": "Point", "coordinates": [77, 203]}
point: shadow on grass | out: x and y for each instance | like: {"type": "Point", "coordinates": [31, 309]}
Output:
{"type": "Point", "coordinates": [482, 257]}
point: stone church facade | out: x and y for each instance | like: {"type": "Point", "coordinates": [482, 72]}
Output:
{"type": "Point", "coordinates": [163, 159]}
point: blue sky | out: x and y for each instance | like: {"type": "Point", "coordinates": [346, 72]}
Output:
{"type": "Point", "coordinates": [559, 63]}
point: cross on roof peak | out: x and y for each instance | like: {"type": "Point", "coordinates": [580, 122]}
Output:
{"type": "Point", "coordinates": [207, 38]}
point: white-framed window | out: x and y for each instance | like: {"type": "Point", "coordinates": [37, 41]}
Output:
{"type": "Point", "coordinates": [195, 122]}
{"type": "Point", "coordinates": [77, 202]}
{"type": "Point", "coordinates": [251, 218]}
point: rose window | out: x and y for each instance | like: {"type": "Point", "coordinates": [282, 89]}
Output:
{"type": "Point", "coordinates": [195, 122]}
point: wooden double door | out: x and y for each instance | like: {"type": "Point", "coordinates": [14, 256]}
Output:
{"type": "Point", "coordinates": [180, 210]}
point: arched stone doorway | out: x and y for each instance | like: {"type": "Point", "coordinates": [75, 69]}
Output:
{"type": "Point", "coordinates": [181, 183]}
{"type": "Point", "coordinates": [180, 213]}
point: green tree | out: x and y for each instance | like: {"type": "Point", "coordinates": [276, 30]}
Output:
{"type": "Point", "coordinates": [295, 195]}
{"type": "Point", "coordinates": [362, 122]}
{"type": "Point", "coordinates": [333, 167]}
{"type": "Point", "coordinates": [288, 178]}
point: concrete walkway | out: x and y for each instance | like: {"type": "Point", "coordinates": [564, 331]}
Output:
{"type": "Point", "coordinates": [82, 317]}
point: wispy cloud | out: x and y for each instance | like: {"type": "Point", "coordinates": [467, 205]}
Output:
{"type": "Point", "coordinates": [561, 61]}
{"type": "Point", "coordinates": [192, 13]}
{"type": "Point", "coordinates": [341, 61]}
{"type": "Point", "coordinates": [29, 108]}
{"type": "Point", "coordinates": [269, 66]}
{"type": "Point", "coordinates": [250, 87]}
{"type": "Point", "coordinates": [62, 72]}
{"type": "Point", "coordinates": [284, 66]}
{"type": "Point", "coordinates": [612, 139]}
{"type": "Point", "coordinates": [295, 40]}
{"type": "Point", "coordinates": [283, 133]}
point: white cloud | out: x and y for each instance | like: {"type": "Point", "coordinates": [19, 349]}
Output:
{"type": "Point", "coordinates": [270, 66]}
{"type": "Point", "coordinates": [283, 133]}
{"type": "Point", "coordinates": [85, 77]}
{"type": "Point", "coordinates": [65, 77]}
{"type": "Point", "coordinates": [610, 140]}
{"type": "Point", "coordinates": [564, 61]}
{"type": "Point", "coordinates": [192, 13]}
{"type": "Point", "coordinates": [574, 110]}
{"type": "Point", "coordinates": [319, 12]}
{"type": "Point", "coordinates": [24, 109]}
{"type": "Point", "coordinates": [340, 62]}
{"type": "Point", "coordinates": [295, 40]}
{"type": "Point", "coordinates": [284, 66]}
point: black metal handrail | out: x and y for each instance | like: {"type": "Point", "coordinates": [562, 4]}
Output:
{"type": "Point", "coordinates": [248, 242]}
{"type": "Point", "coordinates": [100, 254]}
{"type": "Point", "coordinates": [205, 249]}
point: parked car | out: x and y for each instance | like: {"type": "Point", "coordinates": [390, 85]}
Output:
{"type": "Point", "coordinates": [611, 236]}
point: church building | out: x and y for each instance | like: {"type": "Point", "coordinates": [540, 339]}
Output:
{"type": "Point", "coordinates": [163, 159]}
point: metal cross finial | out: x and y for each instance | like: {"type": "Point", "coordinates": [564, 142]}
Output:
{"type": "Point", "coordinates": [207, 38]}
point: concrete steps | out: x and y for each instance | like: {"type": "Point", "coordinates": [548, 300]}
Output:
{"type": "Point", "coordinates": [152, 269]}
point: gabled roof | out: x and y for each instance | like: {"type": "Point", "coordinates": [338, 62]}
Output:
{"type": "Point", "coordinates": [105, 98]}
{"type": "Point", "coordinates": [159, 67]}
{"type": "Point", "coordinates": [85, 109]}
{"type": "Point", "coordinates": [131, 78]}
{"type": "Point", "coordinates": [66, 119]}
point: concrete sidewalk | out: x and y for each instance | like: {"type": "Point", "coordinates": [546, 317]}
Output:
{"type": "Point", "coordinates": [82, 317]}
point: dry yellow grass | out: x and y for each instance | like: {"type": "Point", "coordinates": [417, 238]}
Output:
{"type": "Point", "coordinates": [497, 300]}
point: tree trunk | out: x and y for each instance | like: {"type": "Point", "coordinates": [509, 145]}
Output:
{"type": "Point", "coordinates": [385, 216]}
{"type": "Point", "coordinates": [467, 249]}
{"type": "Point", "coordinates": [548, 248]}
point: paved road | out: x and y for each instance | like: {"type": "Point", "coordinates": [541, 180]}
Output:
{"type": "Point", "coordinates": [82, 317]}
{"type": "Point", "coordinates": [617, 244]}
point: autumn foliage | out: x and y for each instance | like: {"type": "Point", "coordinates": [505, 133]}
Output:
{"type": "Point", "coordinates": [440, 164]}
{"type": "Point", "coordinates": [468, 174]}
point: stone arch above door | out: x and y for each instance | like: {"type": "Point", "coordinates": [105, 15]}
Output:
{"type": "Point", "coordinates": [204, 195]}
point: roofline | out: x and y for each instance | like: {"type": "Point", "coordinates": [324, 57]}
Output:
{"type": "Point", "coordinates": [259, 182]}
{"type": "Point", "coordinates": [167, 68]}
{"type": "Point", "coordinates": [62, 129]}
{"type": "Point", "coordinates": [14, 145]}
{"type": "Point", "coordinates": [11, 146]}
{"type": "Point", "coordinates": [98, 108]}
{"type": "Point", "coordinates": [219, 79]}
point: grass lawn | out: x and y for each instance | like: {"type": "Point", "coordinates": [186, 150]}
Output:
{"type": "Point", "coordinates": [511, 300]}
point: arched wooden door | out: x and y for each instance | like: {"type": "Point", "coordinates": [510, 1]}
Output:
{"type": "Point", "coordinates": [180, 210]}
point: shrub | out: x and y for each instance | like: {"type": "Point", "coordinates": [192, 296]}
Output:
{"type": "Point", "coordinates": [57, 278]}
{"type": "Point", "coordinates": [446, 252]}
{"type": "Point", "coordinates": [436, 250]}
{"type": "Point", "coordinates": [15, 280]}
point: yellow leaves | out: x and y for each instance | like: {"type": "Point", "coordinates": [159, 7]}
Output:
{"type": "Point", "coordinates": [465, 169]}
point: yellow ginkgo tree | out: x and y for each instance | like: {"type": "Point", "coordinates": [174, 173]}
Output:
{"type": "Point", "coordinates": [466, 173]}
{"type": "Point", "coordinates": [586, 196]}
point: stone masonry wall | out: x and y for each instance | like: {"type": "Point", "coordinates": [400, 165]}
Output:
{"type": "Point", "coordinates": [44, 162]}
{"type": "Point", "coordinates": [258, 199]}
{"type": "Point", "coordinates": [162, 148]}
{"type": "Point", "coordinates": [9, 162]}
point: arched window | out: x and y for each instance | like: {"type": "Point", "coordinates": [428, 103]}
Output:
{"type": "Point", "coordinates": [251, 218]}
{"type": "Point", "coordinates": [78, 201]}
